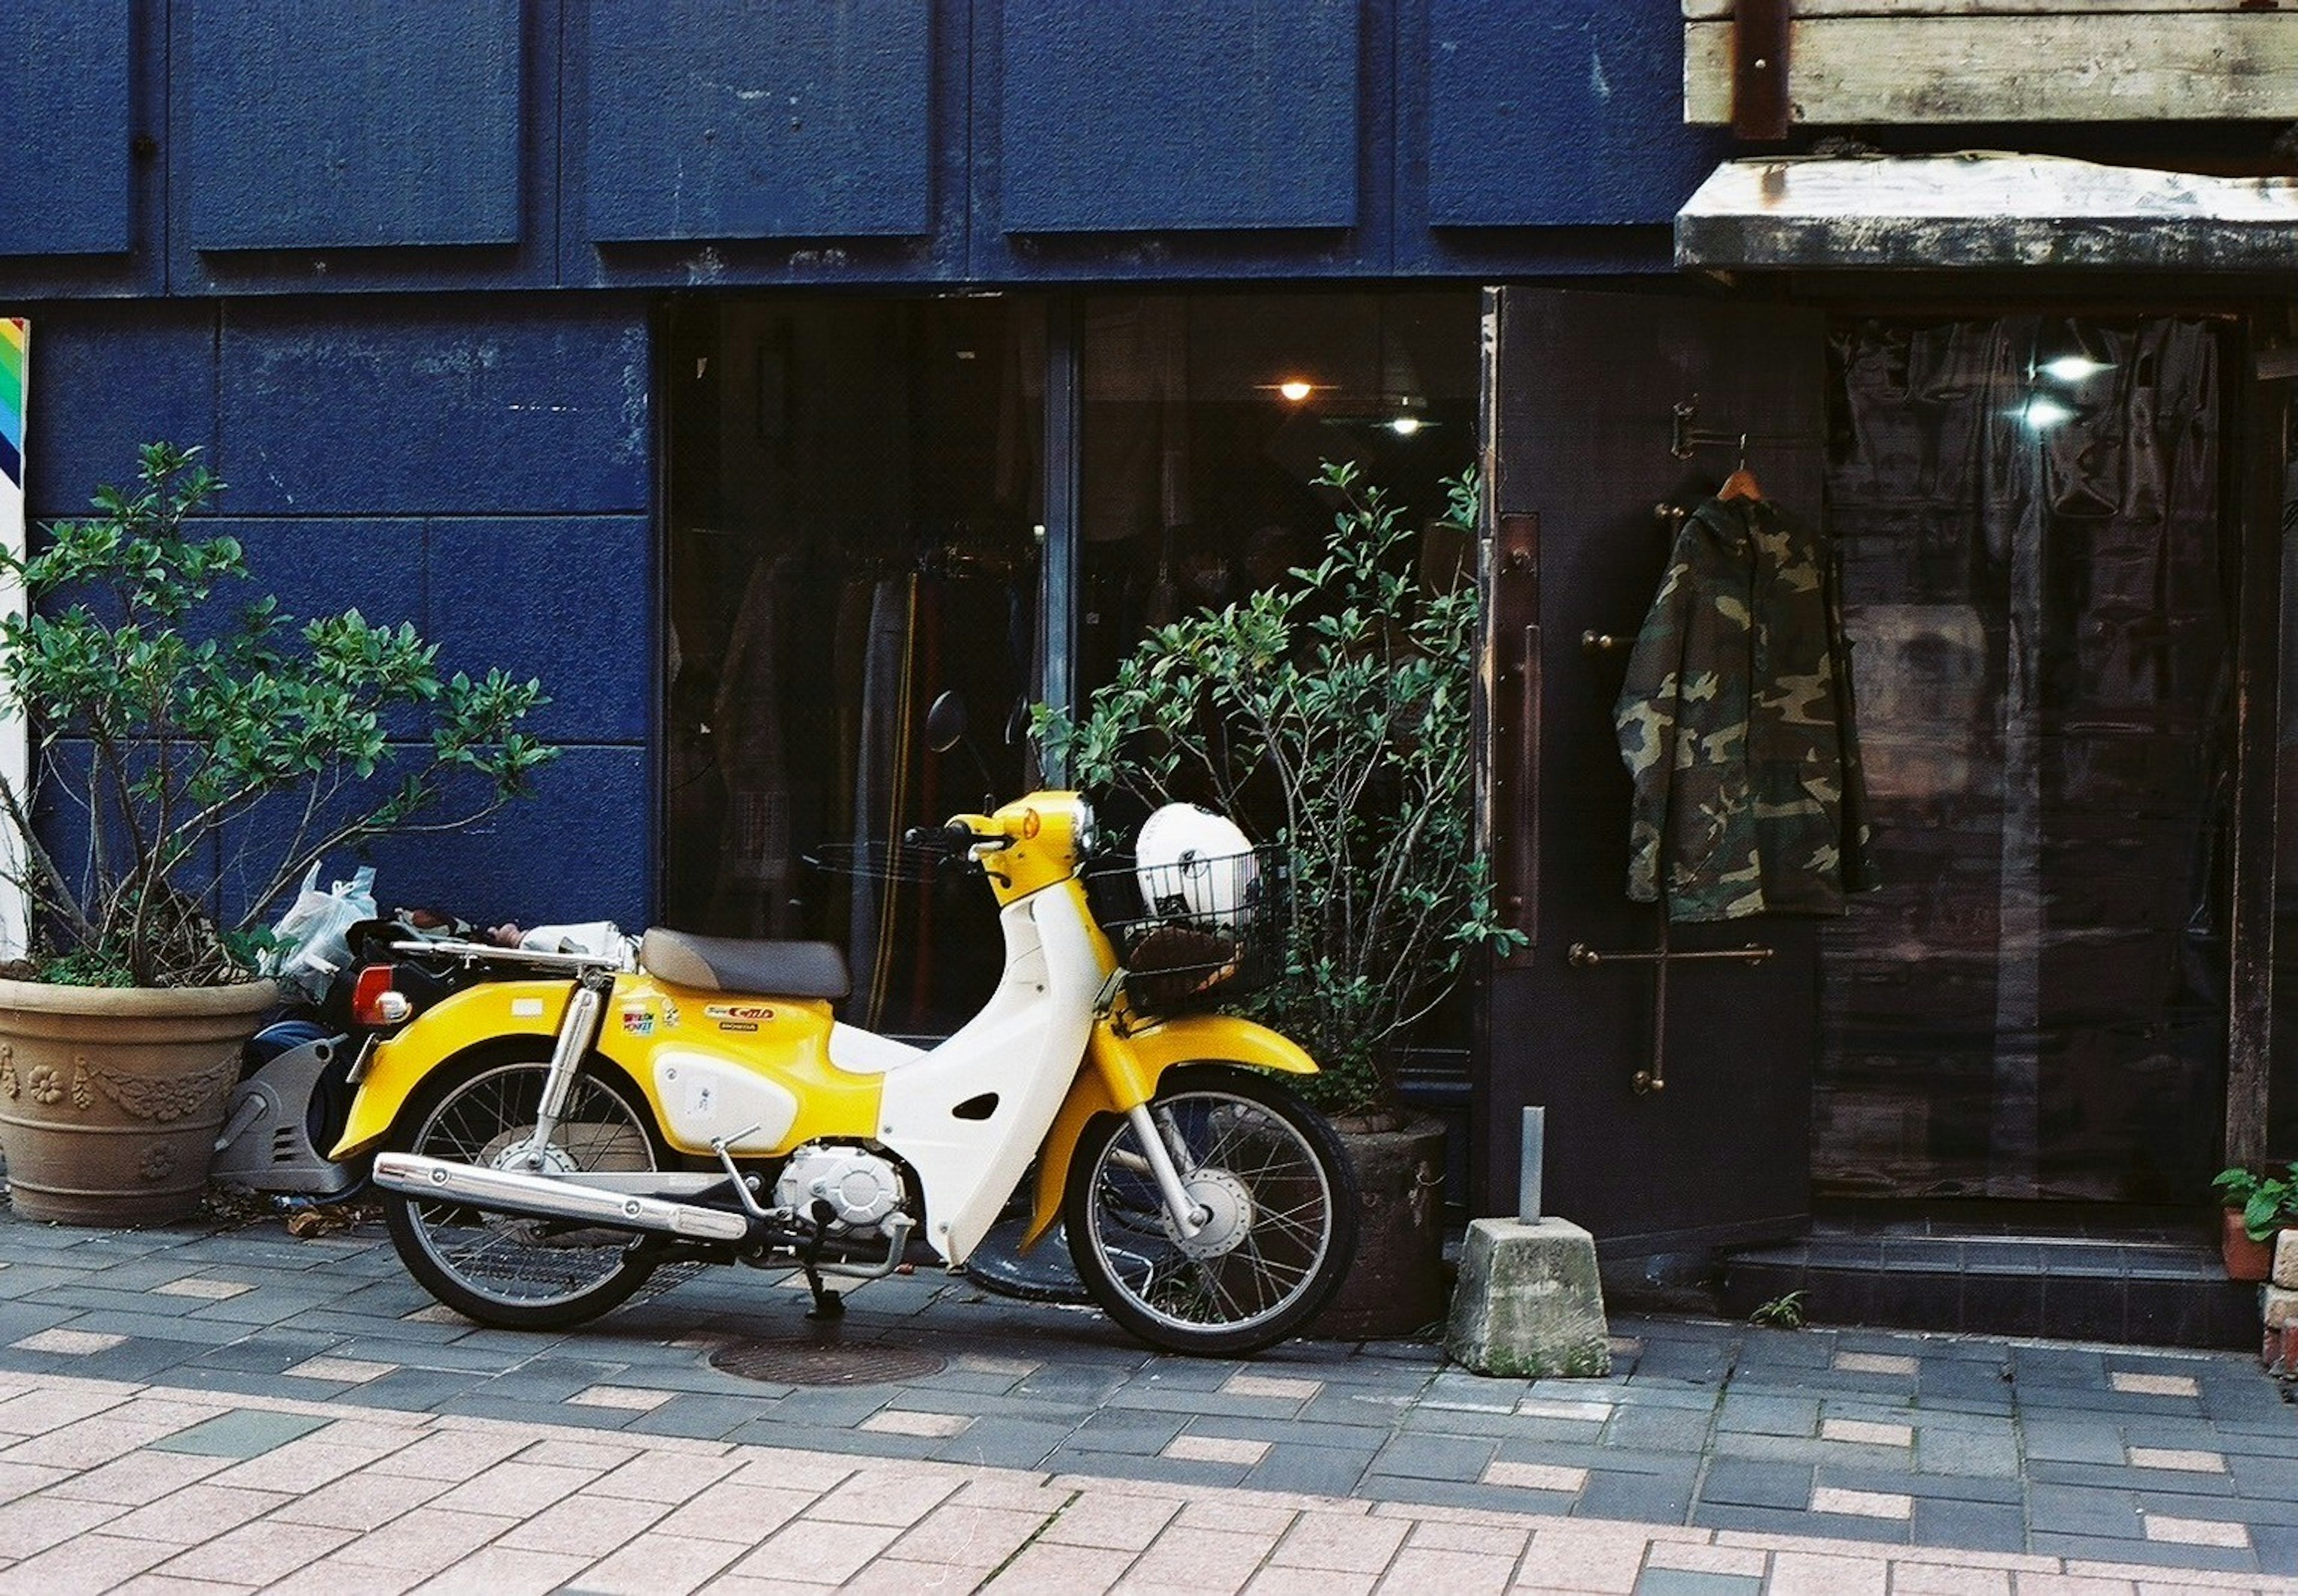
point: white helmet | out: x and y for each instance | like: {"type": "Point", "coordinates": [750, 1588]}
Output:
{"type": "Point", "coordinates": [1193, 864]}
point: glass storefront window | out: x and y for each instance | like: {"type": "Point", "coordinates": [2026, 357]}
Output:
{"type": "Point", "coordinates": [2037, 582]}
{"type": "Point", "coordinates": [852, 494]}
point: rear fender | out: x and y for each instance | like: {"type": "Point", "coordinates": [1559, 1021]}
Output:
{"type": "Point", "coordinates": [491, 1012]}
{"type": "Point", "coordinates": [1122, 1071]}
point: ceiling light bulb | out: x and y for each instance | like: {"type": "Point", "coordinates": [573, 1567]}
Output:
{"type": "Point", "coordinates": [1404, 427]}
{"type": "Point", "coordinates": [2041, 413]}
{"type": "Point", "coordinates": [1295, 389]}
{"type": "Point", "coordinates": [2074, 369]}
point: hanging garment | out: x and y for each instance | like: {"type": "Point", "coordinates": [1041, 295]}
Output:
{"type": "Point", "coordinates": [1735, 722]}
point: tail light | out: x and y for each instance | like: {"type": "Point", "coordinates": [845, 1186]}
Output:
{"type": "Point", "coordinates": [374, 1005]}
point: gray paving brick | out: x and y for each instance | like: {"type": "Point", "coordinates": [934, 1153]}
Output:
{"type": "Point", "coordinates": [1640, 1498]}
{"type": "Point", "coordinates": [1941, 1450]}
{"type": "Point", "coordinates": [1654, 1429]}
{"type": "Point", "coordinates": [1318, 1471]}
{"type": "Point", "coordinates": [248, 1434]}
{"type": "Point", "coordinates": [1769, 1415]}
{"type": "Point", "coordinates": [1435, 1456]}
{"type": "Point", "coordinates": [2277, 1549]}
{"type": "Point", "coordinates": [998, 1443]}
{"type": "Point", "coordinates": [1737, 1481]}
{"type": "Point", "coordinates": [1125, 1430]}
{"type": "Point", "coordinates": [267, 1352]}
{"type": "Point", "coordinates": [2108, 1477]}
{"type": "Point", "coordinates": [2071, 1441]}
{"type": "Point", "coordinates": [1970, 1526]}
{"type": "Point", "coordinates": [2077, 1510]}
{"type": "Point", "coordinates": [1693, 1582]}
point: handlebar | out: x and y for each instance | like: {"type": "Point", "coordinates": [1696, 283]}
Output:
{"type": "Point", "coordinates": [955, 837]}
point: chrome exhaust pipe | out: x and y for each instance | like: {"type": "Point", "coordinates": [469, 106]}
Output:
{"type": "Point", "coordinates": [506, 1191]}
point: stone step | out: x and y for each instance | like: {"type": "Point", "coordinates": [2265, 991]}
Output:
{"type": "Point", "coordinates": [2154, 1291]}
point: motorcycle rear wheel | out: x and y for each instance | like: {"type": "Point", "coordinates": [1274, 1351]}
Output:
{"type": "Point", "coordinates": [1283, 1199]}
{"type": "Point", "coordinates": [502, 1269]}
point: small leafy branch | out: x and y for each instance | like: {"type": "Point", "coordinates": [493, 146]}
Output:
{"type": "Point", "coordinates": [167, 747]}
{"type": "Point", "coordinates": [1335, 712]}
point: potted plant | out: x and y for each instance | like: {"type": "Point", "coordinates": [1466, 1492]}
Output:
{"type": "Point", "coordinates": [1330, 714]}
{"type": "Point", "coordinates": [188, 769]}
{"type": "Point", "coordinates": [2256, 1206]}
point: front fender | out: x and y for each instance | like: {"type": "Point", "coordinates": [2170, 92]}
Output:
{"type": "Point", "coordinates": [480, 1013]}
{"type": "Point", "coordinates": [1121, 1073]}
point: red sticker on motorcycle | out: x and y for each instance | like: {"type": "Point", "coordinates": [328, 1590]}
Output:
{"type": "Point", "coordinates": [738, 1010]}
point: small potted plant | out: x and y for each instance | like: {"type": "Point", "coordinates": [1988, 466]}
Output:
{"type": "Point", "coordinates": [1330, 714]}
{"type": "Point", "coordinates": [2257, 1206]}
{"type": "Point", "coordinates": [187, 767]}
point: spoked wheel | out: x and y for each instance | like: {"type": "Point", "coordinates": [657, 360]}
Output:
{"type": "Point", "coordinates": [1282, 1203]}
{"type": "Point", "coordinates": [504, 1269]}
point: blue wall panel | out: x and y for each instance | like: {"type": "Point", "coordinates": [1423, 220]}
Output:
{"type": "Point", "coordinates": [65, 122]}
{"type": "Point", "coordinates": [569, 599]}
{"type": "Point", "coordinates": [1158, 114]}
{"type": "Point", "coordinates": [105, 378]}
{"type": "Point", "coordinates": [581, 848]}
{"type": "Point", "coordinates": [777, 122]}
{"type": "Point", "coordinates": [361, 123]}
{"type": "Point", "coordinates": [1553, 113]}
{"type": "Point", "coordinates": [476, 405]}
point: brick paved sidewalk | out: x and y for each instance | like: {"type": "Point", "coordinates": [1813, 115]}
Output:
{"type": "Point", "coordinates": [2026, 1450]}
{"type": "Point", "coordinates": [116, 1486]}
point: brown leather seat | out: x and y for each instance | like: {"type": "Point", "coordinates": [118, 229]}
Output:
{"type": "Point", "coordinates": [755, 968]}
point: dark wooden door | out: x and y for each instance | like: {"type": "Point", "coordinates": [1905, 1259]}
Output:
{"type": "Point", "coordinates": [1581, 430]}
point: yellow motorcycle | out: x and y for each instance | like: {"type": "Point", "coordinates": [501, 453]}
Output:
{"type": "Point", "coordinates": [560, 1125]}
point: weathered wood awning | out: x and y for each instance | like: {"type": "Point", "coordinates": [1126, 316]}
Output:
{"type": "Point", "coordinates": [1983, 210]}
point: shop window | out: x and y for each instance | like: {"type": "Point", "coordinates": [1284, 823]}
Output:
{"type": "Point", "coordinates": [2039, 583]}
{"type": "Point", "coordinates": [851, 508]}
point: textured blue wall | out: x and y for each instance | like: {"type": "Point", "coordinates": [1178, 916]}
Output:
{"type": "Point", "coordinates": [482, 468]}
{"type": "Point", "coordinates": [371, 145]}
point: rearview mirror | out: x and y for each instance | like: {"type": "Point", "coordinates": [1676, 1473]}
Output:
{"type": "Point", "coordinates": [946, 723]}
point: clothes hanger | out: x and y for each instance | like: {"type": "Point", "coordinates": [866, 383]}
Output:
{"type": "Point", "coordinates": [1741, 484]}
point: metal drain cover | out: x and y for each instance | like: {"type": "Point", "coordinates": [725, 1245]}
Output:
{"type": "Point", "coordinates": [804, 1360]}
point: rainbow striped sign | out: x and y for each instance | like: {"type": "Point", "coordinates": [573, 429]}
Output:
{"type": "Point", "coordinates": [15, 340]}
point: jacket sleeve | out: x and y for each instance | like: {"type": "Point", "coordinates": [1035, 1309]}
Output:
{"type": "Point", "coordinates": [1645, 718]}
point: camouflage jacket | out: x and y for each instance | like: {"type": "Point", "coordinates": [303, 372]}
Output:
{"type": "Point", "coordinates": [1736, 726]}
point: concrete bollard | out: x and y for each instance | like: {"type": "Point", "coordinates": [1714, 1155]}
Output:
{"type": "Point", "coordinates": [1528, 1301]}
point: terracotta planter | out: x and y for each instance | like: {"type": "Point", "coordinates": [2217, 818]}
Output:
{"type": "Point", "coordinates": [2245, 1260]}
{"type": "Point", "coordinates": [1397, 1286]}
{"type": "Point", "coordinates": [110, 1098]}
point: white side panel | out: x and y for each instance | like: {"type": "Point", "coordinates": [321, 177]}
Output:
{"type": "Point", "coordinates": [705, 1098]}
{"type": "Point", "coordinates": [860, 1051]}
{"type": "Point", "coordinates": [1023, 1049]}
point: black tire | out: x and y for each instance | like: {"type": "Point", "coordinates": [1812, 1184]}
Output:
{"type": "Point", "coordinates": [1285, 1225]}
{"type": "Point", "coordinates": [497, 1268]}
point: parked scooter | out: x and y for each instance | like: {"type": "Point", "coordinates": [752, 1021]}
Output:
{"type": "Point", "coordinates": [546, 1136]}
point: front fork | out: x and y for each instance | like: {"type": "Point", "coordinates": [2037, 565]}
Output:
{"type": "Point", "coordinates": [1188, 1216]}
{"type": "Point", "coordinates": [577, 1033]}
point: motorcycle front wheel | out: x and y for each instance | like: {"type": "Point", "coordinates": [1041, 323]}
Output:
{"type": "Point", "coordinates": [502, 1270]}
{"type": "Point", "coordinates": [1282, 1206]}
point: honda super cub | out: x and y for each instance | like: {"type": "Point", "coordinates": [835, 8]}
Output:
{"type": "Point", "coordinates": [551, 1134]}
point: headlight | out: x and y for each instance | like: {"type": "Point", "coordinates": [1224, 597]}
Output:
{"type": "Point", "coordinates": [1088, 836]}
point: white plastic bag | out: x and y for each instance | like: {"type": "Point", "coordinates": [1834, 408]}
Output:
{"type": "Point", "coordinates": [597, 938]}
{"type": "Point", "coordinates": [313, 936]}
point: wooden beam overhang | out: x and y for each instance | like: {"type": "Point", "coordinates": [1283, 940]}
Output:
{"type": "Point", "coordinates": [1981, 211]}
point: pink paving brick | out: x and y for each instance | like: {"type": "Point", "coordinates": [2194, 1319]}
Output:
{"type": "Point", "coordinates": [815, 1552]}
{"type": "Point", "coordinates": [1421, 1569]}
{"type": "Point", "coordinates": [1347, 1542]}
{"type": "Point", "coordinates": [1043, 1570]}
{"type": "Point", "coordinates": [258, 1553]}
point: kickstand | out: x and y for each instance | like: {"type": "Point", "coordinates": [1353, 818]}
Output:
{"type": "Point", "coordinates": [827, 1303]}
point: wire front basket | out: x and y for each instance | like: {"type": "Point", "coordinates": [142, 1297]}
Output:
{"type": "Point", "coordinates": [1199, 932]}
